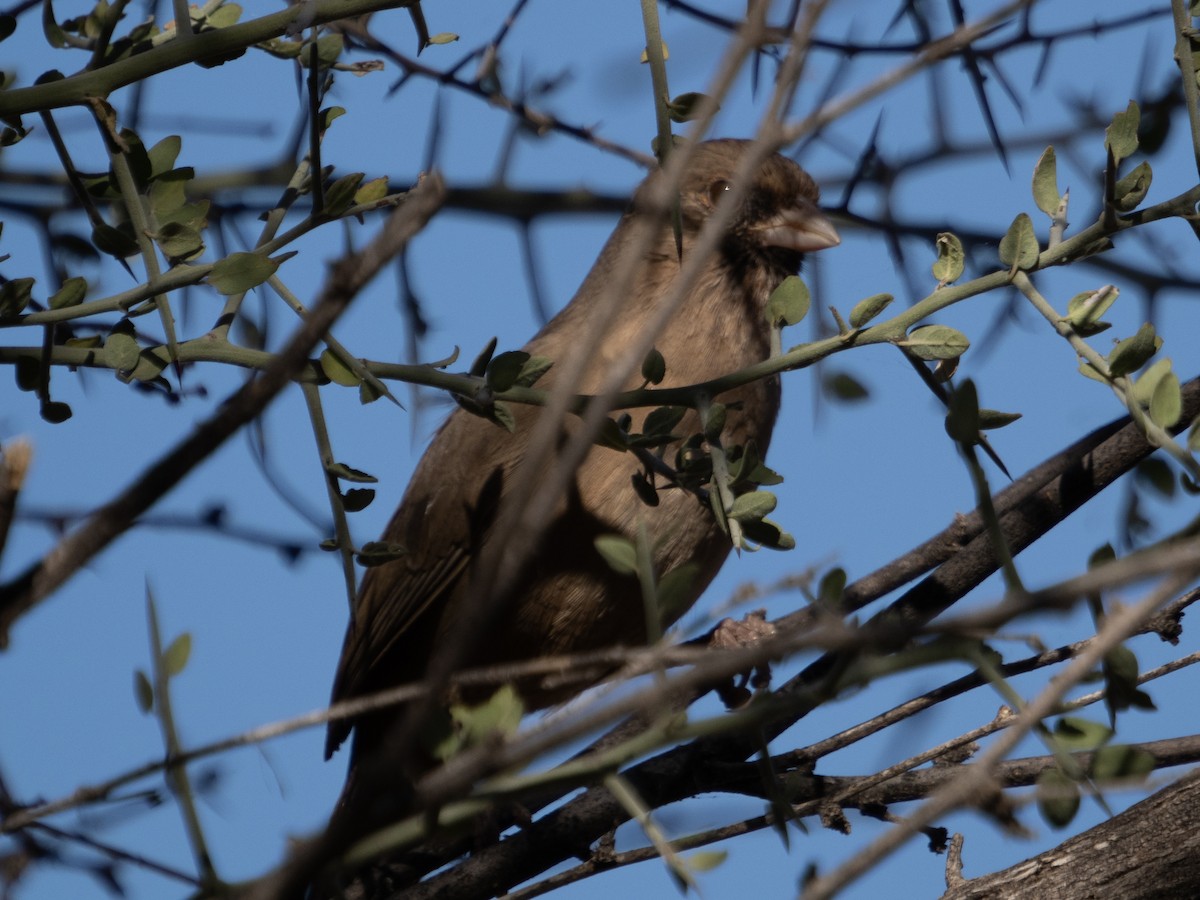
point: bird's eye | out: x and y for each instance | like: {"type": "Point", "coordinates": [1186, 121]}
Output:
{"type": "Point", "coordinates": [716, 189]}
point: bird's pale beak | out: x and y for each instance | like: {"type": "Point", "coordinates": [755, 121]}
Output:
{"type": "Point", "coordinates": [801, 227]}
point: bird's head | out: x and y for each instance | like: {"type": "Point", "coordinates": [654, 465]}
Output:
{"type": "Point", "coordinates": [777, 219]}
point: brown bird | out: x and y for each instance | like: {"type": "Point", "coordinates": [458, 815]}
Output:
{"type": "Point", "coordinates": [568, 599]}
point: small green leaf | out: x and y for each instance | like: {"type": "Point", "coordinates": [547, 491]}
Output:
{"type": "Point", "coordinates": [1131, 190]}
{"type": "Point", "coordinates": [962, 416]}
{"type": "Point", "coordinates": [706, 860]}
{"type": "Point", "coordinates": [686, 107]}
{"type": "Point", "coordinates": [179, 243]}
{"type": "Point", "coordinates": [357, 499]}
{"type": "Point", "coordinates": [1122, 761]}
{"type": "Point", "coordinates": [71, 293]}
{"type": "Point", "coordinates": [326, 116]}
{"type": "Point", "coordinates": [15, 296]}
{"type": "Point", "coordinates": [239, 272]}
{"type": "Point", "coordinates": [1156, 474]}
{"type": "Point", "coordinates": [1085, 309]}
{"type": "Point", "coordinates": [1134, 352]}
{"type": "Point", "coordinates": [866, 310]}
{"type": "Point", "coordinates": [121, 351]}
{"type": "Point", "coordinates": [768, 534]}
{"type": "Point", "coordinates": [176, 656]}
{"type": "Point", "coordinates": [936, 342]}
{"type": "Point", "coordinates": [1058, 798]}
{"type": "Point", "coordinates": [535, 367]}
{"type": "Point", "coordinates": [443, 37]}
{"type": "Point", "coordinates": [347, 473]}
{"type": "Point", "coordinates": [503, 371]}
{"type": "Point", "coordinates": [664, 419]}
{"type": "Point", "coordinates": [654, 367]}
{"type": "Point", "coordinates": [788, 303]}
{"type": "Point", "coordinates": [337, 371]}
{"type": "Point", "coordinates": [1166, 406]}
{"type": "Point", "coordinates": [339, 196]}
{"type": "Point", "coordinates": [754, 505]}
{"type": "Point", "coordinates": [950, 258]}
{"type": "Point", "coordinates": [618, 552]}
{"type": "Point", "coordinates": [55, 412]}
{"type": "Point", "coordinates": [162, 155]}
{"type": "Point", "coordinates": [1121, 136]}
{"type": "Point", "coordinates": [990, 419]}
{"type": "Point", "coordinates": [1045, 183]}
{"type": "Point", "coordinates": [677, 592]}
{"type": "Point", "coordinates": [832, 588]}
{"type": "Point", "coordinates": [1019, 246]}
{"type": "Point", "coordinates": [143, 692]}
{"type": "Point", "coordinates": [1143, 388]}
{"type": "Point", "coordinates": [1075, 733]}
{"type": "Point", "coordinates": [115, 242]}
{"type": "Point", "coordinates": [714, 421]}
{"type": "Point", "coordinates": [845, 388]}
{"type": "Point", "coordinates": [376, 553]}
{"type": "Point", "coordinates": [375, 189]}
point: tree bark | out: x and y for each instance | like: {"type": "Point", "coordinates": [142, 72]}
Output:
{"type": "Point", "coordinates": [1152, 850]}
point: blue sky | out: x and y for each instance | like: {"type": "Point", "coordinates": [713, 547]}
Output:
{"type": "Point", "coordinates": [864, 482]}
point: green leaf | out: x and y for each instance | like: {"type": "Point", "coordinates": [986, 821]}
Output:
{"type": "Point", "coordinates": [686, 107]}
{"type": "Point", "coordinates": [176, 656]}
{"type": "Point", "coordinates": [654, 367]}
{"type": "Point", "coordinates": [55, 36]}
{"type": "Point", "coordinates": [116, 242]}
{"type": "Point", "coordinates": [832, 588]}
{"type": "Point", "coordinates": [239, 272]}
{"type": "Point", "coordinates": [339, 196]}
{"type": "Point", "coordinates": [677, 592]}
{"type": "Point", "coordinates": [714, 421]}
{"type": "Point", "coordinates": [1156, 474]}
{"type": "Point", "coordinates": [950, 258]}
{"type": "Point", "coordinates": [936, 342]}
{"type": "Point", "coordinates": [618, 552]}
{"type": "Point", "coordinates": [535, 367]}
{"type": "Point", "coordinates": [121, 351]}
{"type": "Point", "coordinates": [990, 419]}
{"type": "Point", "coordinates": [443, 37]}
{"type": "Point", "coordinates": [1045, 183]}
{"type": "Point", "coordinates": [845, 388]}
{"type": "Point", "coordinates": [344, 472]}
{"type": "Point", "coordinates": [162, 155]}
{"type": "Point", "coordinates": [1166, 406]}
{"type": "Point", "coordinates": [326, 116]}
{"type": "Point", "coordinates": [1143, 388]}
{"type": "Point", "coordinates": [754, 505]}
{"type": "Point", "coordinates": [788, 303]}
{"type": "Point", "coordinates": [706, 860]}
{"type": "Point", "coordinates": [357, 499]}
{"type": "Point", "coordinates": [55, 412]}
{"type": "Point", "coordinates": [962, 416]}
{"type": "Point", "coordinates": [662, 421]}
{"type": "Point", "coordinates": [15, 296]}
{"type": "Point", "coordinates": [1121, 136]}
{"type": "Point", "coordinates": [71, 293]}
{"type": "Point", "coordinates": [376, 553]}
{"type": "Point", "coordinates": [866, 310]}
{"type": "Point", "coordinates": [1058, 798]}
{"type": "Point", "coordinates": [338, 371]}
{"type": "Point", "coordinates": [1085, 309]}
{"type": "Point", "coordinates": [1131, 190]}
{"type": "Point", "coordinates": [143, 692]}
{"type": "Point", "coordinates": [768, 534]}
{"type": "Point", "coordinates": [1075, 733]}
{"type": "Point", "coordinates": [375, 189]}
{"type": "Point", "coordinates": [1122, 761]}
{"type": "Point", "coordinates": [179, 243]}
{"type": "Point", "coordinates": [504, 370]}
{"type": "Point", "coordinates": [1134, 352]}
{"type": "Point", "coordinates": [1019, 246]}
